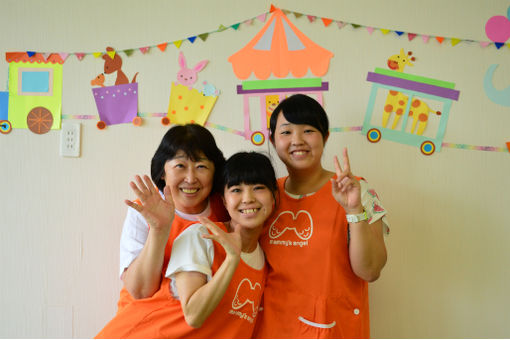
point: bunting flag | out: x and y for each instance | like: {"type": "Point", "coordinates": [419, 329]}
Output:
{"type": "Point", "coordinates": [262, 17]}
{"type": "Point", "coordinates": [111, 54]}
{"type": "Point", "coordinates": [162, 47]}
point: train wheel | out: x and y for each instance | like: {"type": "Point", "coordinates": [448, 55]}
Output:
{"type": "Point", "coordinates": [5, 127]}
{"type": "Point", "coordinates": [258, 138]}
{"type": "Point", "coordinates": [101, 125]}
{"type": "Point", "coordinates": [137, 121]}
{"type": "Point", "coordinates": [373, 135]}
{"type": "Point", "coordinates": [427, 148]}
{"type": "Point", "coordinates": [39, 120]}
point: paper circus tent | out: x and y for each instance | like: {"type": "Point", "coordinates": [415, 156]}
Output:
{"type": "Point", "coordinates": [280, 48]}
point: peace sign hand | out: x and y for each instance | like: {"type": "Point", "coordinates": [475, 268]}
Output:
{"type": "Point", "coordinates": [346, 188]}
{"type": "Point", "coordinates": [158, 212]}
{"type": "Point", "coordinates": [231, 242]}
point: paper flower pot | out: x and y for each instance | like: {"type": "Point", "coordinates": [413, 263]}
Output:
{"type": "Point", "coordinates": [189, 106]}
{"type": "Point", "coordinates": [117, 104]}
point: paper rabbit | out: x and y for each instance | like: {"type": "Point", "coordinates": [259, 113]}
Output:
{"type": "Point", "coordinates": [187, 76]}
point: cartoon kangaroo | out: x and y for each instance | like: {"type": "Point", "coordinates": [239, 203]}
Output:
{"type": "Point", "coordinates": [187, 76]}
{"type": "Point", "coordinates": [114, 65]}
{"type": "Point", "coordinates": [397, 101]}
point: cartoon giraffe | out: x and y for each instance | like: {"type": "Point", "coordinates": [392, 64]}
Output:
{"type": "Point", "coordinates": [272, 102]}
{"type": "Point", "coordinates": [397, 101]}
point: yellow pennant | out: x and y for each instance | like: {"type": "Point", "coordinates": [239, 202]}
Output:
{"type": "Point", "coordinates": [111, 54]}
{"type": "Point", "coordinates": [385, 31]}
{"type": "Point", "coordinates": [178, 43]}
{"type": "Point", "coordinates": [455, 41]}
{"type": "Point", "coordinates": [97, 54]}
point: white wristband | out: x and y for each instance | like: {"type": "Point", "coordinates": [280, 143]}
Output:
{"type": "Point", "coordinates": [357, 218]}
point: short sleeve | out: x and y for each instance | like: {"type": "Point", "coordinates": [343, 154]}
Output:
{"type": "Point", "coordinates": [134, 235]}
{"type": "Point", "coordinates": [191, 253]}
{"type": "Point", "coordinates": [373, 206]}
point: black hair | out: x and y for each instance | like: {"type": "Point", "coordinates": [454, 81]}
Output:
{"type": "Point", "coordinates": [194, 140]}
{"type": "Point", "coordinates": [250, 168]}
{"type": "Point", "coordinates": [301, 109]}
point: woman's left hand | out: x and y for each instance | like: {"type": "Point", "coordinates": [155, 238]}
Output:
{"type": "Point", "coordinates": [346, 188]}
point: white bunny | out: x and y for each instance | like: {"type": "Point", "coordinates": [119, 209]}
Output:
{"type": "Point", "coordinates": [187, 76]}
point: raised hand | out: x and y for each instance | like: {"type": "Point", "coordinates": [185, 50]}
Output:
{"type": "Point", "coordinates": [158, 212]}
{"type": "Point", "coordinates": [346, 188]}
{"type": "Point", "coordinates": [231, 242]}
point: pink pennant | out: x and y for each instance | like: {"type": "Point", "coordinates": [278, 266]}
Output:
{"type": "Point", "coordinates": [484, 43]}
{"type": "Point", "coordinates": [411, 36]}
{"type": "Point", "coordinates": [311, 18]}
{"type": "Point", "coordinates": [63, 55]}
{"type": "Point", "coordinates": [370, 29]}
{"type": "Point", "coordinates": [425, 38]}
{"type": "Point", "coordinates": [79, 55]}
{"type": "Point", "coordinates": [262, 17]}
{"type": "Point", "coordinates": [144, 49]}
{"type": "Point", "coordinates": [46, 55]}
{"type": "Point", "coordinates": [340, 24]}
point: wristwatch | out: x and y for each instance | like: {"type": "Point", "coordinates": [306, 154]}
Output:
{"type": "Point", "coordinates": [351, 218]}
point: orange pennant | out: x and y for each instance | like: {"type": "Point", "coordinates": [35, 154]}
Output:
{"type": "Point", "coordinates": [440, 39]}
{"type": "Point", "coordinates": [272, 9]}
{"type": "Point", "coordinates": [326, 21]}
{"type": "Point", "coordinates": [162, 47]}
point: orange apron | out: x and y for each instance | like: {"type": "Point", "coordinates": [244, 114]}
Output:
{"type": "Point", "coordinates": [311, 290]}
{"type": "Point", "coordinates": [161, 316]}
{"type": "Point", "coordinates": [218, 213]}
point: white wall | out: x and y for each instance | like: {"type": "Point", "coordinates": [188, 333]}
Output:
{"type": "Point", "coordinates": [448, 269]}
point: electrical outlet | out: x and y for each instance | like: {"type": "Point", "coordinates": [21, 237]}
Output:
{"type": "Point", "coordinates": [70, 140]}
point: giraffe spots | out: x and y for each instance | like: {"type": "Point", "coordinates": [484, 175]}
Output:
{"type": "Point", "coordinates": [399, 112]}
{"type": "Point", "coordinates": [388, 108]}
{"type": "Point", "coordinates": [393, 93]}
{"type": "Point", "coordinates": [401, 102]}
{"type": "Point", "coordinates": [423, 117]}
{"type": "Point", "coordinates": [416, 103]}
{"type": "Point", "coordinates": [410, 113]}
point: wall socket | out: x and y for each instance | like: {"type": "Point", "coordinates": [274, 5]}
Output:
{"type": "Point", "coordinates": [70, 139]}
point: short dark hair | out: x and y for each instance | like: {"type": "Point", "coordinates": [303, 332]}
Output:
{"type": "Point", "coordinates": [250, 168]}
{"type": "Point", "coordinates": [194, 140]}
{"type": "Point", "coordinates": [301, 109]}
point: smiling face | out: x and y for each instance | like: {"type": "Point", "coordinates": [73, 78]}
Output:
{"type": "Point", "coordinates": [190, 182]}
{"type": "Point", "coordinates": [248, 204]}
{"type": "Point", "coordinates": [299, 146]}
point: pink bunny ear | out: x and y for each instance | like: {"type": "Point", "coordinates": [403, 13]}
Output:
{"type": "Point", "coordinates": [198, 67]}
{"type": "Point", "coordinates": [182, 60]}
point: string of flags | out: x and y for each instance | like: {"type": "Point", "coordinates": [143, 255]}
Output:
{"type": "Point", "coordinates": [327, 22]}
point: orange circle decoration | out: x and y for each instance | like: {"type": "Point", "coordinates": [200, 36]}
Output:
{"type": "Point", "coordinates": [101, 125]}
{"type": "Point", "coordinates": [165, 121]}
{"type": "Point", "coordinates": [137, 121]}
{"type": "Point", "coordinates": [5, 127]}
{"type": "Point", "coordinates": [373, 135]}
{"type": "Point", "coordinates": [258, 138]}
{"type": "Point", "coordinates": [39, 120]}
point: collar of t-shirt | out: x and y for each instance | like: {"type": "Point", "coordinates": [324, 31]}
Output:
{"type": "Point", "coordinates": [194, 217]}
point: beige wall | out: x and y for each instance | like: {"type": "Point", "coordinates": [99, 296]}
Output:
{"type": "Point", "coordinates": [61, 218]}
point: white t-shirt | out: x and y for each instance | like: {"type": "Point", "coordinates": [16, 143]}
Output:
{"type": "Point", "coordinates": [136, 230]}
{"type": "Point", "coordinates": [193, 253]}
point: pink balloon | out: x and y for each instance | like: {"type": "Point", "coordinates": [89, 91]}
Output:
{"type": "Point", "coordinates": [497, 28]}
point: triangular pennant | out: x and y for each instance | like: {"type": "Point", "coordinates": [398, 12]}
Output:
{"type": "Point", "coordinates": [385, 30]}
{"type": "Point", "coordinates": [340, 24]}
{"type": "Point", "coordinates": [262, 17]}
{"type": "Point", "coordinates": [63, 55]}
{"type": "Point", "coordinates": [311, 18]}
{"type": "Point", "coordinates": [236, 26]}
{"type": "Point", "coordinates": [203, 36]}
{"type": "Point", "coordinates": [455, 41]}
{"type": "Point", "coordinates": [178, 43]}
{"type": "Point", "coordinates": [298, 15]}
{"type": "Point", "coordinates": [111, 54]}
{"type": "Point", "coordinates": [192, 39]}
{"type": "Point", "coordinates": [272, 9]}
{"type": "Point", "coordinates": [79, 55]}
{"type": "Point", "coordinates": [499, 44]}
{"type": "Point", "coordinates": [31, 53]}
{"type": "Point", "coordinates": [144, 49]}
{"type": "Point", "coordinates": [440, 39]}
{"type": "Point", "coordinates": [221, 28]}
{"type": "Point", "coordinates": [399, 33]}
{"type": "Point", "coordinates": [286, 11]}
{"type": "Point", "coordinates": [129, 51]}
{"type": "Point", "coordinates": [484, 43]}
{"type": "Point", "coordinates": [355, 25]}
{"type": "Point", "coordinates": [326, 21]}
{"type": "Point", "coordinates": [249, 21]}
{"type": "Point", "coordinates": [425, 38]}
{"type": "Point", "coordinates": [97, 54]}
{"type": "Point", "coordinates": [370, 30]}
{"type": "Point", "coordinates": [162, 47]}
{"type": "Point", "coordinates": [46, 55]}
{"type": "Point", "coordinates": [411, 36]}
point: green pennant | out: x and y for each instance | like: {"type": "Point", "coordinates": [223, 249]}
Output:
{"type": "Point", "coordinates": [203, 36]}
{"type": "Point", "coordinates": [128, 52]}
{"type": "Point", "coordinates": [356, 25]}
{"type": "Point", "coordinates": [236, 26]}
{"type": "Point", "coordinates": [221, 28]}
{"type": "Point", "coordinates": [298, 15]}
